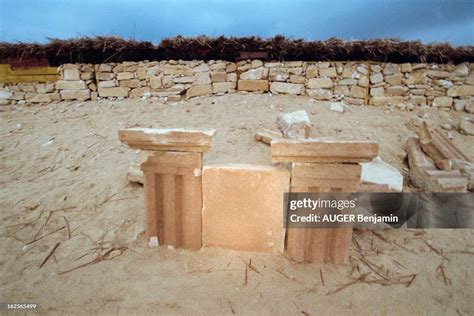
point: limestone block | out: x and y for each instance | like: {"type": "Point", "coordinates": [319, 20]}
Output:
{"type": "Point", "coordinates": [139, 92]}
{"type": "Point", "coordinates": [312, 71]}
{"type": "Point", "coordinates": [316, 150]}
{"type": "Point", "coordinates": [252, 74]}
{"type": "Point", "coordinates": [357, 92]}
{"type": "Point", "coordinates": [243, 207]}
{"type": "Point", "coordinates": [105, 76]}
{"type": "Point", "coordinates": [232, 77]}
{"type": "Point", "coordinates": [156, 82]}
{"type": "Point", "coordinates": [131, 83]}
{"type": "Point", "coordinates": [113, 92]}
{"type": "Point", "coordinates": [201, 68]}
{"type": "Point", "coordinates": [194, 91]}
{"type": "Point", "coordinates": [297, 79]}
{"type": "Point", "coordinates": [202, 78]}
{"type": "Point", "coordinates": [390, 69]}
{"type": "Point", "coordinates": [417, 99]}
{"type": "Point", "coordinates": [45, 88]}
{"type": "Point", "coordinates": [184, 79]}
{"type": "Point", "coordinates": [437, 74]}
{"type": "Point", "coordinates": [461, 91]}
{"type": "Point", "coordinates": [320, 94]}
{"type": "Point", "coordinates": [38, 98]}
{"type": "Point", "coordinates": [394, 80]}
{"type": "Point", "coordinates": [348, 82]}
{"type": "Point", "coordinates": [397, 90]}
{"type": "Point", "coordinates": [328, 72]}
{"type": "Point", "coordinates": [253, 85]}
{"type": "Point", "coordinates": [219, 76]}
{"type": "Point", "coordinates": [278, 74]}
{"type": "Point", "coordinates": [288, 88]}
{"type": "Point", "coordinates": [125, 75]}
{"type": "Point", "coordinates": [107, 84]}
{"type": "Point", "coordinates": [443, 102]}
{"type": "Point", "coordinates": [168, 139]}
{"type": "Point", "coordinates": [376, 78]}
{"type": "Point", "coordinates": [178, 70]}
{"type": "Point", "coordinates": [316, 83]}
{"type": "Point", "coordinates": [341, 90]}
{"type": "Point", "coordinates": [232, 67]}
{"type": "Point", "coordinates": [5, 94]}
{"type": "Point", "coordinates": [379, 172]}
{"type": "Point", "coordinates": [461, 70]}
{"type": "Point", "coordinates": [75, 94]}
{"type": "Point", "coordinates": [71, 74]}
{"type": "Point", "coordinates": [295, 124]}
{"type": "Point", "coordinates": [71, 85]}
{"type": "Point", "coordinates": [406, 67]}
{"type": "Point", "coordinates": [223, 87]}
{"type": "Point", "coordinates": [380, 100]}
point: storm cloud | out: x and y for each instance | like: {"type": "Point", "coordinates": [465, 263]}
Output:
{"type": "Point", "coordinates": [429, 21]}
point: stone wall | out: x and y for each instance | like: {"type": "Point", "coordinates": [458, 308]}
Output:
{"type": "Point", "coordinates": [403, 85]}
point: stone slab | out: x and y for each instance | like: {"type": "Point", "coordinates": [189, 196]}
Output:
{"type": "Point", "coordinates": [243, 207]}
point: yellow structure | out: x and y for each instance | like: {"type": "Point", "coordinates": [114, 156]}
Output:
{"type": "Point", "coordinates": [36, 74]}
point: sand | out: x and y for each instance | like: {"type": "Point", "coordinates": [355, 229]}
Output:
{"type": "Point", "coordinates": [63, 180]}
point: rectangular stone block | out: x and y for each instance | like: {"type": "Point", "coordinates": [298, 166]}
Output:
{"type": "Point", "coordinates": [194, 91]}
{"type": "Point", "coordinates": [105, 76]}
{"type": "Point", "coordinates": [315, 150]}
{"type": "Point", "coordinates": [71, 85]}
{"type": "Point", "coordinates": [220, 76]}
{"type": "Point", "coordinates": [253, 85]}
{"type": "Point", "coordinates": [223, 87]}
{"type": "Point", "coordinates": [287, 88]}
{"type": "Point", "coordinates": [243, 207]}
{"type": "Point", "coordinates": [316, 83]}
{"type": "Point", "coordinates": [125, 75]}
{"type": "Point", "coordinates": [330, 171]}
{"type": "Point", "coordinates": [163, 139]}
{"type": "Point", "coordinates": [114, 92]}
{"type": "Point", "coordinates": [75, 95]}
{"type": "Point", "coordinates": [71, 74]}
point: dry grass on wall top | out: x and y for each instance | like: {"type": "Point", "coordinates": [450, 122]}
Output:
{"type": "Point", "coordinates": [114, 49]}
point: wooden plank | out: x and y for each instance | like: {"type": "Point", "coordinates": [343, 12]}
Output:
{"type": "Point", "coordinates": [29, 78]}
{"type": "Point", "coordinates": [30, 71]}
{"type": "Point", "coordinates": [315, 150]}
{"type": "Point", "coordinates": [168, 139]}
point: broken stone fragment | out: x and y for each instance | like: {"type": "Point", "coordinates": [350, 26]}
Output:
{"type": "Point", "coordinates": [466, 128]}
{"type": "Point", "coordinates": [295, 124]}
{"type": "Point", "coordinates": [379, 172]}
{"type": "Point", "coordinates": [337, 107]}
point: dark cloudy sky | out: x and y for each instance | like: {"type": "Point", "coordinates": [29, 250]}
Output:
{"type": "Point", "coordinates": [428, 20]}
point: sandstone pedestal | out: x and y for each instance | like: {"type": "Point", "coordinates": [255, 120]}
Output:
{"type": "Point", "coordinates": [322, 166]}
{"type": "Point", "coordinates": [172, 181]}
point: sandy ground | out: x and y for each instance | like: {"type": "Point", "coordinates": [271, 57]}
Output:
{"type": "Point", "coordinates": [63, 180]}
